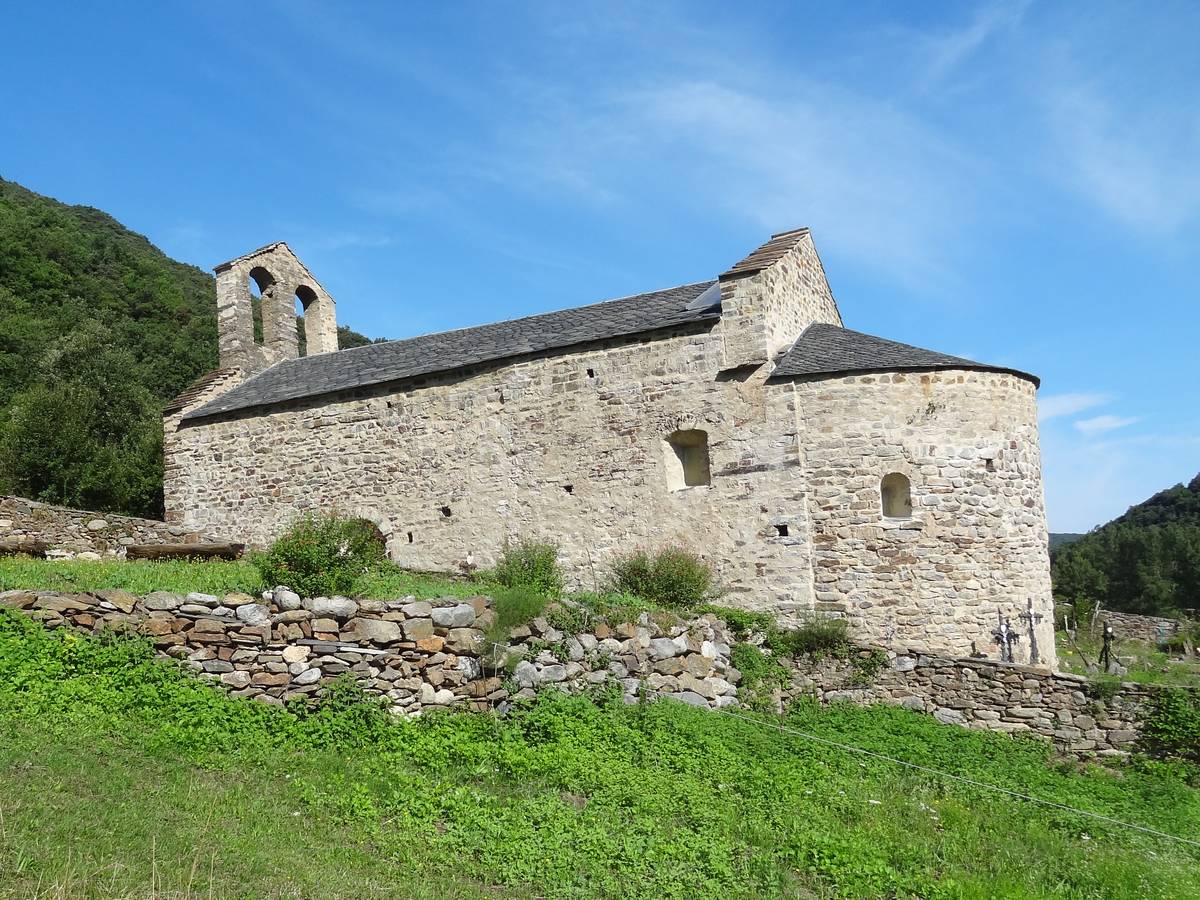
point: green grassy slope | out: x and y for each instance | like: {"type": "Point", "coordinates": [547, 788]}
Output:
{"type": "Point", "coordinates": [120, 776]}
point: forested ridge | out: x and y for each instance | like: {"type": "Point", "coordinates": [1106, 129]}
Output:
{"type": "Point", "coordinates": [1145, 561]}
{"type": "Point", "coordinates": [98, 329]}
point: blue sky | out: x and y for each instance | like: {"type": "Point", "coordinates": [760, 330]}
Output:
{"type": "Point", "coordinates": [1014, 182]}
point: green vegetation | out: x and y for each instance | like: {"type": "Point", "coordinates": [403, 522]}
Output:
{"type": "Point", "coordinates": [673, 577]}
{"type": "Point", "coordinates": [321, 555]}
{"type": "Point", "coordinates": [121, 776]}
{"type": "Point", "coordinates": [1146, 561]}
{"type": "Point", "coordinates": [1144, 663]}
{"type": "Point", "coordinates": [1173, 726]}
{"type": "Point", "coordinates": [530, 565]}
{"type": "Point", "coordinates": [98, 329]}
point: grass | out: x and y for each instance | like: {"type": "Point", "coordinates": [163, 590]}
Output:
{"type": "Point", "coordinates": [122, 777]}
{"type": "Point", "coordinates": [1146, 664]}
{"type": "Point", "coordinates": [386, 582]}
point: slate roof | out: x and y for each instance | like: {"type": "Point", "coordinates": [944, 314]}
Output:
{"type": "Point", "coordinates": [830, 350]}
{"type": "Point", "coordinates": [327, 373]}
{"type": "Point", "coordinates": [770, 252]}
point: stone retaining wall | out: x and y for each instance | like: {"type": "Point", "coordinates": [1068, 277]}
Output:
{"type": "Point", "coordinates": [1128, 626]}
{"type": "Point", "coordinates": [78, 533]}
{"type": "Point", "coordinates": [422, 654]}
{"type": "Point", "coordinates": [987, 694]}
{"type": "Point", "coordinates": [417, 653]}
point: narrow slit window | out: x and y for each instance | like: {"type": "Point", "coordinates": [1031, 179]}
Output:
{"type": "Point", "coordinates": [896, 496]}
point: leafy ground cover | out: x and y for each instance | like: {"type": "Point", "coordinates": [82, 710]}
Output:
{"type": "Point", "coordinates": [122, 776]}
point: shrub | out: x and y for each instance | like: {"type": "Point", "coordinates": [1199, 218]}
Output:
{"type": "Point", "coordinates": [1172, 727]}
{"type": "Point", "coordinates": [532, 565]}
{"type": "Point", "coordinates": [320, 555]}
{"type": "Point", "coordinates": [673, 577]}
{"type": "Point", "coordinates": [814, 637]}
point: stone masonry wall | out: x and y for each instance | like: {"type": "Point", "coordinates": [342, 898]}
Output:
{"type": "Point", "coordinates": [989, 695]}
{"type": "Point", "coordinates": [75, 532]}
{"type": "Point", "coordinates": [975, 547]}
{"type": "Point", "coordinates": [568, 447]}
{"type": "Point", "coordinates": [434, 654]}
{"type": "Point", "coordinates": [418, 654]}
{"type": "Point", "coordinates": [1132, 627]}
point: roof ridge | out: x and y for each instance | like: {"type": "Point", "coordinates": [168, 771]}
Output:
{"type": "Point", "coordinates": [447, 351]}
{"type": "Point", "coordinates": [549, 312]}
{"type": "Point", "coordinates": [834, 349]}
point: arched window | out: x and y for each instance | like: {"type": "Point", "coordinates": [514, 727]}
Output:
{"type": "Point", "coordinates": [305, 297]}
{"type": "Point", "coordinates": [686, 456]}
{"type": "Point", "coordinates": [895, 494]}
{"type": "Point", "coordinates": [261, 285]}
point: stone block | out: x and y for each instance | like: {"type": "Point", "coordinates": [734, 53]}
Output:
{"type": "Point", "coordinates": [418, 629]}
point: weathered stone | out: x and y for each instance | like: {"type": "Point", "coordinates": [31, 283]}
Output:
{"type": "Point", "coordinates": [162, 600]}
{"type": "Point", "coordinates": [332, 607]}
{"type": "Point", "coordinates": [460, 616]}
{"type": "Point", "coordinates": [121, 600]}
{"type": "Point", "coordinates": [254, 614]}
{"type": "Point", "coordinates": [464, 640]}
{"type": "Point", "coordinates": [526, 674]}
{"type": "Point", "coordinates": [308, 676]}
{"type": "Point", "coordinates": [295, 654]}
{"type": "Point", "coordinates": [236, 680]}
{"type": "Point", "coordinates": [417, 629]}
{"type": "Point", "coordinates": [287, 600]}
{"type": "Point", "coordinates": [377, 631]}
{"type": "Point", "coordinates": [552, 674]}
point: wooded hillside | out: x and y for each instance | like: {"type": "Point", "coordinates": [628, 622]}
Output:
{"type": "Point", "coordinates": [98, 329]}
{"type": "Point", "coordinates": [1145, 561]}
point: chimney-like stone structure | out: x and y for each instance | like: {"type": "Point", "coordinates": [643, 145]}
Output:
{"type": "Point", "coordinates": [282, 280]}
{"type": "Point", "coordinates": [771, 296]}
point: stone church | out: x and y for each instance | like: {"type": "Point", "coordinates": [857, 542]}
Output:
{"type": "Point", "coordinates": [819, 469]}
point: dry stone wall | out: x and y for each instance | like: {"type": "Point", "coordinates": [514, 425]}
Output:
{"type": "Point", "coordinates": [426, 654]}
{"type": "Point", "coordinates": [82, 534]}
{"type": "Point", "coordinates": [989, 695]}
{"type": "Point", "coordinates": [419, 654]}
{"type": "Point", "coordinates": [975, 547]}
{"type": "Point", "coordinates": [1132, 627]}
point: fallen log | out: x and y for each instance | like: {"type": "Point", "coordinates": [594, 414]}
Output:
{"type": "Point", "coordinates": [27, 548]}
{"type": "Point", "coordinates": [184, 551]}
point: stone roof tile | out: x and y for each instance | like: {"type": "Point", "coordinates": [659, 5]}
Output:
{"type": "Point", "coordinates": [374, 364]}
{"type": "Point", "coordinates": [830, 350]}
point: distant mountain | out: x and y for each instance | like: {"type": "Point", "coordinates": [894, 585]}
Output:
{"type": "Point", "coordinates": [98, 329]}
{"type": "Point", "coordinates": [1146, 560]}
{"type": "Point", "coordinates": [1058, 539]}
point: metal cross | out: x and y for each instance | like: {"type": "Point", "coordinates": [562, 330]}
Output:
{"type": "Point", "coordinates": [1032, 618]}
{"type": "Point", "coordinates": [1106, 657]}
{"type": "Point", "coordinates": [1006, 636]}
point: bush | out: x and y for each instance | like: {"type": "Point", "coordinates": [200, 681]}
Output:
{"type": "Point", "coordinates": [673, 577]}
{"type": "Point", "coordinates": [321, 555]}
{"type": "Point", "coordinates": [815, 637]}
{"type": "Point", "coordinates": [532, 565]}
{"type": "Point", "coordinates": [1172, 727]}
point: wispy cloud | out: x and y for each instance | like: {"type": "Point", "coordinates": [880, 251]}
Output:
{"type": "Point", "coordinates": [1101, 424]}
{"type": "Point", "coordinates": [1136, 163]}
{"type": "Point", "coordinates": [1054, 406]}
{"type": "Point", "coordinates": [946, 52]}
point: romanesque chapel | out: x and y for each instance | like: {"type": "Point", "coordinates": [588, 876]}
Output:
{"type": "Point", "coordinates": [819, 469]}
